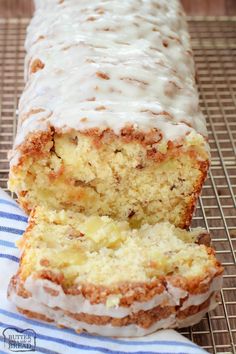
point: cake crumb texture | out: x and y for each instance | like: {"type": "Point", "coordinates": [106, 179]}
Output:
{"type": "Point", "coordinates": [99, 271]}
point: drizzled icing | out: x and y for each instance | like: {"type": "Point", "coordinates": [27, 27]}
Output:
{"type": "Point", "coordinates": [109, 64]}
{"type": "Point", "coordinates": [77, 303]}
{"type": "Point", "coordinates": [48, 293]}
{"type": "Point", "coordinates": [58, 315]}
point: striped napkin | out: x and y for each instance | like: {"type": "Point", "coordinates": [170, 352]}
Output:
{"type": "Point", "coordinates": [18, 333]}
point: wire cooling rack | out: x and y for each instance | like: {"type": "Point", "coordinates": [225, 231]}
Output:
{"type": "Point", "coordinates": [214, 44]}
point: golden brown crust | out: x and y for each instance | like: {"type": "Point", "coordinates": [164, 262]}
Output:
{"type": "Point", "coordinates": [193, 310]}
{"type": "Point", "coordinates": [97, 294]}
{"type": "Point", "coordinates": [36, 65]}
{"type": "Point", "coordinates": [54, 277]}
{"type": "Point", "coordinates": [36, 315]}
{"type": "Point", "coordinates": [16, 285]}
{"type": "Point", "coordinates": [130, 293]}
{"type": "Point", "coordinates": [203, 167]}
{"type": "Point", "coordinates": [204, 238]}
{"type": "Point", "coordinates": [142, 318]}
{"type": "Point", "coordinates": [197, 285]}
{"type": "Point", "coordinates": [187, 218]}
{"type": "Point", "coordinates": [35, 142]}
{"type": "Point", "coordinates": [25, 205]}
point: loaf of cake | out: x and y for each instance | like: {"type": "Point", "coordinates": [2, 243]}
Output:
{"type": "Point", "coordinates": [99, 275]}
{"type": "Point", "coordinates": [109, 120]}
{"type": "Point", "coordinates": [109, 159]}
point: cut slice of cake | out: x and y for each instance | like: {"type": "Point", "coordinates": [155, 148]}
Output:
{"type": "Point", "coordinates": [109, 120]}
{"type": "Point", "coordinates": [99, 275]}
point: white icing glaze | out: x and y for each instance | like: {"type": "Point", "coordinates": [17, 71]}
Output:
{"type": "Point", "coordinates": [192, 320]}
{"type": "Point", "coordinates": [59, 318]}
{"type": "Point", "coordinates": [142, 47]}
{"type": "Point", "coordinates": [176, 293]}
{"type": "Point", "coordinates": [126, 331]}
{"type": "Point", "coordinates": [194, 300]}
{"type": "Point", "coordinates": [54, 307]}
{"type": "Point", "coordinates": [77, 303]}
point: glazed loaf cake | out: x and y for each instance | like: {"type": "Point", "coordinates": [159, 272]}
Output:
{"type": "Point", "coordinates": [100, 275]}
{"type": "Point", "coordinates": [109, 120]}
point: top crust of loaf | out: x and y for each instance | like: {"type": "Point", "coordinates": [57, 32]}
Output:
{"type": "Point", "coordinates": [118, 68]}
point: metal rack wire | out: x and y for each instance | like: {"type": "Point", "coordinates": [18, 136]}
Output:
{"type": "Point", "coordinates": [214, 44]}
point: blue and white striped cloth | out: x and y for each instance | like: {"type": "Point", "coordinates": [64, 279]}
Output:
{"type": "Point", "coordinates": [54, 340]}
